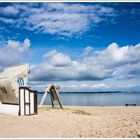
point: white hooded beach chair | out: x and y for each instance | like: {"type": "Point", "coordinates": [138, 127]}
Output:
{"type": "Point", "coordinates": [15, 94]}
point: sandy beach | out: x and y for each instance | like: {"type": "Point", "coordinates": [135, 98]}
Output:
{"type": "Point", "coordinates": [74, 122]}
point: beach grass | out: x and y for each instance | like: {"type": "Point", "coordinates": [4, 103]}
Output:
{"type": "Point", "coordinates": [81, 112]}
{"type": "Point", "coordinates": [74, 111]}
{"type": "Point", "coordinates": [57, 107]}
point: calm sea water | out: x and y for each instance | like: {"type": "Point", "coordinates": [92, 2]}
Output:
{"type": "Point", "coordinates": [96, 99]}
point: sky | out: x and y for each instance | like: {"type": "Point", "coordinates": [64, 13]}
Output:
{"type": "Point", "coordinates": [91, 46]}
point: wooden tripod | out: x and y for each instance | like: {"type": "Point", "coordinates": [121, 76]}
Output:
{"type": "Point", "coordinates": [54, 94]}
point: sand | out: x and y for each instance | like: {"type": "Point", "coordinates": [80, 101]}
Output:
{"type": "Point", "coordinates": [105, 122]}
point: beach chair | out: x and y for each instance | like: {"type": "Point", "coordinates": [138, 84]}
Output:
{"type": "Point", "coordinates": [14, 90]}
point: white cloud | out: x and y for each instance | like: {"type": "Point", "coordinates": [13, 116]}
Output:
{"type": "Point", "coordinates": [101, 85]}
{"type": "Point", "coordinates": [113, 62]}
{"type": "Point", "coordinates": [92, 86]}
{"type": "Point", "coordinates": [7, 20]}
{"type": "Point", "coordinates": [26, 43]}
{"type": "Point", "coordinates": [116, 53]}
{"type": "Point", "coordinates": [66, 19]}
{"type": "Point", "coordinates": [58, 58]}
{"type": "Point", "coordinates": [13, 52]}
{"type": "Point", "coordinates": [59, 66]}
{"type": "Point", "coordinates": [21, 47]}
{"type": "Point", "coordinates": [70, 86]}
{"type": "Point", "coordinates": [10, 10]}
{"type": "Point", "coordinates": [87, 51]}
{"type": "Point", "coordinates": [63, 19]}
{"type": "Point", "coordinates": [59, 23]}
{"type": "Point", "coordinates": [83, 86]}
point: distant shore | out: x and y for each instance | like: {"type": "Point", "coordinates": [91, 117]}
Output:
{"type": "Point", "coordinates": [74, 122]}
{"type": "Point", "coordinates": [42, 92]}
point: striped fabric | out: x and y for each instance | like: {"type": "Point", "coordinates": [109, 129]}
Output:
{"type": "Point", "coordinates": [20, 82]}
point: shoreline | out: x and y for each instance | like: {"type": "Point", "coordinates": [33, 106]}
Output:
{"type": "Point", "coordinates": [74, 122]}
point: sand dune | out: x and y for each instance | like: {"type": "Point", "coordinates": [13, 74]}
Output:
{"type": "Point", "coordinates": [74, 122]}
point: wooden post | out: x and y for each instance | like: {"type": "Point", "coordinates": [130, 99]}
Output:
{"type": "Point", "coordinates": [54, 91]}
{"type": "Point", "coordinates": [51, 99]}
{"type": "Point", "coordinates": [57, 97]}
{"type": "Point", "coordinates": [35, 103]}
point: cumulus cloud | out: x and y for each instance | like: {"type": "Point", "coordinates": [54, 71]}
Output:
{"type": "Point", "coordinates": [87, 51]}
{"type": "Point", "coordinates": [59, 66]}
{"type": "Point", "coordinates": [57, 58]}
{"type": "Point", "coordinates": [113, 62]}
{"type": "Point", "coordinates": [122, 61]}
{"type": "Point", "coordinates": [63, 19]}
{"type": "Point", "coordinates": [13, 52]}
{"type": "Point", "coordinates": [115, 56]}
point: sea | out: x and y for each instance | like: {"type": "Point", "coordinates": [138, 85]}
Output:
{"type": "Point", "coordinates": [95, 98]}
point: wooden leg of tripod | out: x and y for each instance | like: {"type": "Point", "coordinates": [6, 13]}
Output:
{"type": "Point", "coordinates": [58, 99]}
{"type": "Point", "coordinates": [51, 99]}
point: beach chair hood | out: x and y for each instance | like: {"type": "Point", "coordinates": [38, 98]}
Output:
{"type": "Point", "coordinates": [10, 81]}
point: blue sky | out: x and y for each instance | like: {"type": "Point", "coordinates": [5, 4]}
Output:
{"type": "Point", "coordinates": [80, 46]}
